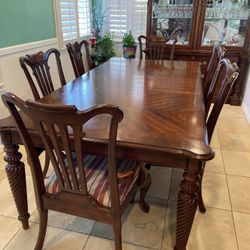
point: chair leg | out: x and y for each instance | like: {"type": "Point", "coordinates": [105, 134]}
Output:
{"type": "Point", "coordinates": [147, 166]}
{"type": "Point", "coordinates": [202, 207]}
{"type": "Point", "coordinates": [117, 233]}
{"type": "Point", "coordinates": [145, 182]}
{"type": "Point", "coordinates": [42, 229]}
{"type": "Point", "coordinates": [46, 165]}
{"type": "Point", "coordinates": [133, 200]}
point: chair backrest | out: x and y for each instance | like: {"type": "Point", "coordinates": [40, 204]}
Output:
{"type": "Point", "coordinates": [154, 49]}
{"type": "Point", "coordinates": [38, 63]}
{"type": "Point", "coordinates": [155, 46]}
{"type": "Point", "coordinates": [225, 74]}
{"type": "Point", "coordinates": [76, 57]}
{"type": "Point", "coordinates": [217, 54]}
{"type": "Point", "coordinates": [57, 126]}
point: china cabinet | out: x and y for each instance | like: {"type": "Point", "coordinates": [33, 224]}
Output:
{"type": "Point", "coordinates": [205, 23]}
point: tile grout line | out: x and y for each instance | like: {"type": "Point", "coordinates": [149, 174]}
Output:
{"type": "Point", "coordinates": [136, 245]}
{"type": "Point", "coordinates": [229, 194]}
{"type": "Point", "coordinates": [12, 238]}
{"type": "Point", "coordinates": [86, 242]}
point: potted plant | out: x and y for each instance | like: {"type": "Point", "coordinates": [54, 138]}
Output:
{"type": "Point", "coordinates": [104, 49]}
{"type": "Point", "coordinates": [129, 45]}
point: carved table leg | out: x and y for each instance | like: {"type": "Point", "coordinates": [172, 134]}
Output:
{"type": "Point", "coordinates": [187, 203]}
{"type": "Point", "coordinates": [16, 177]}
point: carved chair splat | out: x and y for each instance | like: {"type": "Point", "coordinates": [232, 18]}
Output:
{"type": "Point", "coordinates": [38, 63]}
{"type": "Point", "coordinates": [76, 57]}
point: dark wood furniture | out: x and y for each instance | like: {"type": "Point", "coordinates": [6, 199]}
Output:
{"type": "Point", "coordinates": [39, 65]}
{"type": "Point", "coordinates": [43, 84]}
{"type": "Point", "coordinates": [95, 187]}
{"type": "Point", "coordinates": [205, 23]}
{"type": "Point", "coordinates": [217, 54]}
{"type": "Point", "coordinates": [224, 76]}
{"type": "Point", "coordinates": [76, 57]}
{"type": "Point", "coordinates": [164, 124]}
{"type": "Point", "coordinates": [156, 47]}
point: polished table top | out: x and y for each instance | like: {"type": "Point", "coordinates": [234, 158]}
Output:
{"type": "Point", "coordinates": [162, 102]}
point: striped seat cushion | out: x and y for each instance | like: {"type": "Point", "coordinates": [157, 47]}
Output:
{"type": "Point", "coordinates": [96, 172]}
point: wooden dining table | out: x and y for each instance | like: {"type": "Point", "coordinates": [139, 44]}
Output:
{"type": "Point", "coordinates": [164, 124]}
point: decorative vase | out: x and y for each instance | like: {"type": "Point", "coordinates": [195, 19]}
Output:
{"type": "Point", "coordinates": [129, 52]}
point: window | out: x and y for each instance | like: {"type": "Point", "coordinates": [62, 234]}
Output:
{"type": "Point", "coordinates": [123, 16]}
{"type": "Point", "coordinates": [73, 19]}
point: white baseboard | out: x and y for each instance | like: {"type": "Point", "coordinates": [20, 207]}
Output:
{"type": "Point", "coordinates": [246, 111]}
{"type": "Point", "coordinates": [27, 46]}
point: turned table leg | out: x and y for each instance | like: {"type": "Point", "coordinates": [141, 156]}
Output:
{"type": "Point", "coordinates": [187, 203]}
{"type": "Point", "coordinates": [17, 180]}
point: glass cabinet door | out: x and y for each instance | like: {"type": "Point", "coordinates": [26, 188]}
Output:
{"type": "Point", "coordinates": [226, 22]}
{"type": "Point", "coordinates": [167, 15]}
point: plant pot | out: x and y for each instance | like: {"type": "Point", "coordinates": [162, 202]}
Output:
{"type": "Point", "coordinates": [129, 52]}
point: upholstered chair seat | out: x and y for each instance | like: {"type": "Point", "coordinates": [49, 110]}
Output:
{"type": "Point", "coordinates": [96, 172]}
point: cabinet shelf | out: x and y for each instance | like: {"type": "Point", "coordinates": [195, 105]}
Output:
{"type": "Point", "coordinates": [226, 18]}
{"type": "Point", "coordinates": [171, 17]}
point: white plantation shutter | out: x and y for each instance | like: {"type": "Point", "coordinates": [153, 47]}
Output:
{"type": "Point", "coordinates": [123, 16]}
{"type": "Point", "coordinates": [73, 19]}
{"type": "Point", "coordinates": [67, 13]}
{"type": "Point", "coordinates": [118, 14]}
{"type": "Point", "coordinates": [84, 17]}
{"type": "Point", "coordinates": [139, 17]}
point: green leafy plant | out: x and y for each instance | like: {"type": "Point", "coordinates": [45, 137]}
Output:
{"type": "Point", "coordinates": [104, 49]}
{"type": "Point", "coordinates": [129, 45]}
{"type": "Point", "coordinates": [128, 40]}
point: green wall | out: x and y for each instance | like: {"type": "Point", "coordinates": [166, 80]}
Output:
{"type": "Point", "coordinates": [25, 21]}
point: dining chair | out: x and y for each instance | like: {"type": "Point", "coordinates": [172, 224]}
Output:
{"type": "Point", "coordinates": [217, 54]}
{"type": "Point", "coordinates": [224, 76]}
{"type": "Point", "coordinates": [38, 63]}
{"type": "Point", "coordinates": [76, 57]}
{"type": "Point", "coordinates": [156, 46]}
{"type": "Point", "coordinates": [96, 187]}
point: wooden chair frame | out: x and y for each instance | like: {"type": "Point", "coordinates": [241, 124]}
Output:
{"type": "Point", "coordinates": [225, 75]}
{"type": "Point", "coordinates": [53, 123]}
{"type": "Point", "coordinates": [38, 63]}
{"type": "Point", "coordinates": [155, 48]}
{"type": "Point", "coordinates": [217, 54]}
{"type": "Point", "coordinates": [76, 57]}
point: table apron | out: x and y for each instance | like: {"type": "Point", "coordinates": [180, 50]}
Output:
{"type": "Point", "coordinates": [134, 152]}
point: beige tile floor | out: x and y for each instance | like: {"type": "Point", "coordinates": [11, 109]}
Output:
{"type": "Point", "coordinates": [225, 226]}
